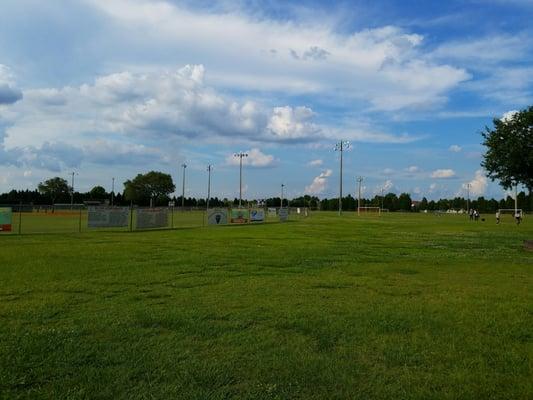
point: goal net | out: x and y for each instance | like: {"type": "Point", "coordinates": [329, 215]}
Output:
{"type": "Point", "coordinates": [369, 210]}
{"type": "Point", "coordinates": [510, 211]}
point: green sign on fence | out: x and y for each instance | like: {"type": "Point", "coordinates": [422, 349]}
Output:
{"type": "Point", "coordinates": [6, 217]}
{"type": "Point", "coordinates": [240, 216]}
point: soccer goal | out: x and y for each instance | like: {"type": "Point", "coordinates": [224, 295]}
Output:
{"type": "Point", "coordinates": [511, 212]}
{"type": "Point", "coordinates": [369, 210]}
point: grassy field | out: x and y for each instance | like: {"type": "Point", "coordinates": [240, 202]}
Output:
{"type": "Point", "coordinates": [393, 307]}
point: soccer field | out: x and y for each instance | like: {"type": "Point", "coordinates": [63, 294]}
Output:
{"type": "Point", "coordinates": [398, 306]}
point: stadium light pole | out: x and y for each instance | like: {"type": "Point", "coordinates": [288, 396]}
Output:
{"type": "Point", "coordinates": [72, 191]}
{"type": "Point", "coordinates": [381, 199]}
{"type": "Point", "coordinates": [183, 187]}
{"type": "Point", "coordinates": [359, 181]}
{"type": "Point", "coordinates": [282, 186]}
{"type": "Point", "coordinates": [208, 184]}
{"type": "Point", "coordinates": [515, 198]}
{"type": "Point", "coordinates": [341, 146]}
{"type": "Point", "coordinates": [112, 190]}
{"type": "Point", "coordinates": [240, 155]}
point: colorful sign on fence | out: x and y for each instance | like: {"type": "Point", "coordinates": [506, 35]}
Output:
{"type": "Point", "coordinates": [283, 214]}
{"type": "Point", "coordinates": [108, 217]}
{"type": "Point", "coordinates": [148, 218]}
{"type": "Point", "coordinates": [257, 215]}
{"type": "Point", "coordinates": [217, 216]}
{"type": "Point", "coordinates": [240, 216]}
{"type": "Point", "coordinates": [6, 217]}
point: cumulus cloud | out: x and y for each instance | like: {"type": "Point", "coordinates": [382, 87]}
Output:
{"type": "Point", "coordinates": [255, 159]}
{"type": "Point", "coordinates": [9, 93]}
{"type": "Point", "coordinates": [508, 116]}
{"type": "Point", "coordinates": [454, 148]}
{"type": "Point", "coordinates": [315, 163]}
{"type": "Point", "coordinates": [443, 174]}
{"type": "Point", "coordinates": [478, 185]}
{"type": "Point", "coordinates": [319, 183]}
{"type": "Point", "coordinates": [386, 66]}
{"type": "Point", "coordinates": [412, 169]}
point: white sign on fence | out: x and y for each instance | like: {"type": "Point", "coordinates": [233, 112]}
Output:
{"type": "Point", "coordinates": [108, 217]}
{"type": "Point", "coordinates": [217, 216]}
{"type": "Point", "coordinates": [257, 215]}
{"type": "Point", "coordinates": [272, 211]}
{"type": "Point", "coordinates": [152, 218]}
{"type": "Point", "coordinates": [283, 214]}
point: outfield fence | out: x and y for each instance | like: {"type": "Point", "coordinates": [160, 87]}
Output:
{"type": "Point", "coordinates": [27, 219]}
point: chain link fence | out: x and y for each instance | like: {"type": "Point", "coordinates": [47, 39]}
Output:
{"type": "Point", "coordinates": [79, 218]}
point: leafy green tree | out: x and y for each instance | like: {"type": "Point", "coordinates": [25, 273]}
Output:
{"type": "Point", "coordinates": [509, 155]}
{"type": "Point", "coordinates": [152, 185]}
{"type": "Point", "coordinates": [97, 193]}
{"type": "Point", "coordinates": [54, 188]}
{"type": "Point", "coordinates": [404, 202]}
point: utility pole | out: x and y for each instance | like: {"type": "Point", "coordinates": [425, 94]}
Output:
{"type": "Point", "coordinates": [112, 191]}
{"type": "Point", "coordinates": [341, 146]}
{"type": "Point", "coordinates": [381, 199]}
{"type": "Point", "coordinates": [282, 186]}
{"type": "Point", "coordinates": [240, 155]}
{"type": "Point", "coordinates": [359, 181]}
{"type": "Point", "coordinates": [208, 184]}
{"type": "Point", "coordinates": [183, 187]}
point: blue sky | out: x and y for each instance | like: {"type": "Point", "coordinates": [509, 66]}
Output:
{"type": "Point", "coordinates": [111, 88]}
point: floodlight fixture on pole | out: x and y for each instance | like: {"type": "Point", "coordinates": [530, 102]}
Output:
{"type": "Point", "coordinates": [282, 186]}
{"type": "Point", "coordinates": [341, 146]}
{"type": "Point", "coordinates": [209, 167]}
{"type": "Point", "coordinates": [240, 155]}
{"type": "Point", "coordinates": [183, 187]}
{"type": "Point", "coordinates": [359, 181]}
{"type": "Point", "coordinates": [112, 190]}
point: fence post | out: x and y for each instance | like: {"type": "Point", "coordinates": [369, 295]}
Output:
{"type": "Point", "coordinates": [172, 217]}
{"type": "Point", "coordinates": [20, 218]}
{"type": "Point", "coordinates": [79, 223]}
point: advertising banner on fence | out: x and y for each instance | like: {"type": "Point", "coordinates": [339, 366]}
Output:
{"type": "Point", "coordinates": [6, 217]}
{"type": "Point", "coordinates": [217, 216]}
{"type": "Point", "coordinates": [108, 217]}
{"type": "Point", "coordinates": [240, 216]}
{"type": "Point", "coordinates": [257, 215]}
{"type": "Point", "coordinates": [272, 211]}
{"type": "Point", "coordinates": [283, 214]}
{"type": "Point", "coordinates": [148, 218]}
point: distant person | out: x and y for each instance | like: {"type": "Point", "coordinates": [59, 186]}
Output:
{"type": "Point", "coordinates": [471, 214]}
{"type": "Point", "coordinates": [518, 217]}
{"type": "Point", "coordinates": [476, 215]}
{"type": "Point", "coordinates": [497, 217]}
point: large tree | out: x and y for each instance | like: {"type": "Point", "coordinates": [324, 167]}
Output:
{"type": "Point", "coordinates": [152, 185]}
{"type": "Point", "coordinates": [509, 155]}
{"type": "Point", "coordinates": [53, 188]}
{"type": "Point", "coordinates": [98, 193]}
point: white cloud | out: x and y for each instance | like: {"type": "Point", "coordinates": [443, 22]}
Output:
{"type": "Point", "coordinates": [478, 185]}
{"type": "Point", "coordinates": [255, 159]}
{"type": "Point", "coordinates": [315, 163]}
{"type": "Point", "coordinates": [508, 116]}
{"type": "Point", "coordinates": [9, 93]}
{"type": "Point", "coordinates": [386, 67]}
{"type": "Point", "coordinates": [454, 148]}
{"type": "Point", "coordinates": [443, 173]}
{"type": "Point", "coordinates": [319, 183]}
{"type": "Point", "coordinates": [388, 171]}
{"type": "Point", "coordinates": [412, 169]}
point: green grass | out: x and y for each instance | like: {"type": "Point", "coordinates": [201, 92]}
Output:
{"type": "Point", "coordinates": [402, 306]}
